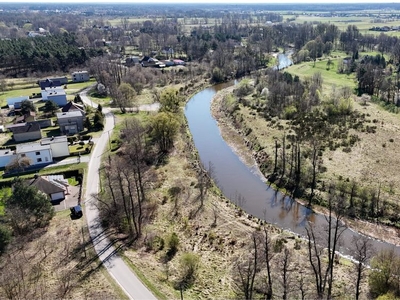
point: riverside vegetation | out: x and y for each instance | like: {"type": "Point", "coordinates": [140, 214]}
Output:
{"type": "Point", "coordinates": [332, 148]}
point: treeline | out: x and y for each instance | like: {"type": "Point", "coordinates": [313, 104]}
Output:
{"type": "Point", "coordinates": [43, 54]}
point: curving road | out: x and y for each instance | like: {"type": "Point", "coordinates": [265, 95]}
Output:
{"type": "Point", "coordinates": [107, 253]}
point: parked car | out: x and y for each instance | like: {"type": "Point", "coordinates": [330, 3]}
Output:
{"type": "Point", "coordinates": [76, 212]}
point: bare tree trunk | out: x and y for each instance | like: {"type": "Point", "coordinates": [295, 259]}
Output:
{"type": "Point", "coordinates": [285, 272]}
{"type": "Point", "coordinates": [268, 256]}
{"type": "Point", "coordinates": [363, 252]}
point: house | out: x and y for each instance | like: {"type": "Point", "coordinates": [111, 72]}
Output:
{"type": "Point", "coordinates": [16, 100]}
{"type": "Point", "coordinates": [28, 117]}
{"type": "Point", "coordinates": [168, 63]}
{"type": "Point", "coordinates": [80, 76]}
{"type": "Point", "coordinates": [37, 154]}
{"type": "Point", "coordinates": [58, 145]}
{"type": "Point", "coordinates": [52, 189]}
{"type": "Point", "coordinates": [6, 156]}
{"type": "Point", "coordinates": [62, 80]}
{"type": "Point", "coordinates": [179, 62]}
{"type": "Point", "coordinates": [152, 62]}
{"type": "Point", "coordinates": [23, 132]}
{"type": "Point", "coordinates": [72, 106]}
{"type": "Point", "coordinates": [58, 96]}
{"type": "Point", "coordinates": [132, 60]}
{"type": "Point", "coordinates": [70, 122]}
{"type": "Point", "coordinates": [48, 83]}
{"type": "Point", "coordinates": [52, 89]}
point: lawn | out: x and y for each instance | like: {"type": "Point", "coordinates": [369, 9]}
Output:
{"type": "Point", "coordinates": [16, 93]}
{"type": "Point", "coordinates": [78, 149]}
{"type": "Point", "coordinates": [74, 88]}
{"type": "Point", "coordinates": [330, 77]}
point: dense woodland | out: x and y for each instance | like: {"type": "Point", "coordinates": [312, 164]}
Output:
{"type": "Point", "coordinates": [231, 45]}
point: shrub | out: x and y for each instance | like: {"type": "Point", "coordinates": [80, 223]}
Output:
{"type": "Point", "coordinates": [172, 243]}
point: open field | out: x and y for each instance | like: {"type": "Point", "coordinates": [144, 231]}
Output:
{"type": "Point", "coordinates": [362, 23]}
{"type": "Point", "coordinates": [330, 77]}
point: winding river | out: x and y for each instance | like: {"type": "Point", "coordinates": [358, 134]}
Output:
{"type": "Point", "coordinates": [244, 186]}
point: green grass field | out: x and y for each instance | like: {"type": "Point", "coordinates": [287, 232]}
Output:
{"type": "Point", "coordinates": [330, 77]}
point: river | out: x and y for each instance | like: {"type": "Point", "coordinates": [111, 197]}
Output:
{"type": "Point", "coordinates": [244, 186]}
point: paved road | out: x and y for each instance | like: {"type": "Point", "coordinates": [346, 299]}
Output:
{"type": "Point", "coordinates": [117, 268]}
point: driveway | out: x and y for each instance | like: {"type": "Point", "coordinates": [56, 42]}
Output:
{"type": "Point", "coordinates": [105, 250]}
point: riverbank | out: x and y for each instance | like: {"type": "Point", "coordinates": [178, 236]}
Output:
{"type": "Point", "coordinates": [237, 141]}
{"type": "Point", "coordinates": [216, 231]}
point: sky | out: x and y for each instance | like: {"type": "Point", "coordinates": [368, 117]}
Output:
{"type": "Point", "coordinates": [205, 1]}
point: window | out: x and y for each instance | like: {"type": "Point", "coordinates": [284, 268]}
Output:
{"type": "Point", "coordinates": [23, 155]}
{"type": "Point", "coordinates": [39, 160]}
{"type": "Point", "coordinates": [37, 153]}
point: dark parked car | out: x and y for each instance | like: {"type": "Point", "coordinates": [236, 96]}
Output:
{"type": "Point", "coordinates": [76, 212]}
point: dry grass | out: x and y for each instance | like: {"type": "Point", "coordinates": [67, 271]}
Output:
{"type": "Point", "coordinates": [372, 161]}
{"type": "Point", "coordinates": [218, 244]}
{"type": "Point", "coordinates": [45, 265]}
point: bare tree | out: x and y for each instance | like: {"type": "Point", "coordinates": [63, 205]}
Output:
{"type": "Point", "coordinates": [363, 253]}
{"type": "Point", "coordinates": [284, 264]}
{"type": "Point", "coordinates": [247, 269]}
{"type": "Point", "coordinates": [268, 256]}
{"type": "Point", "coordinates": [323, 272]}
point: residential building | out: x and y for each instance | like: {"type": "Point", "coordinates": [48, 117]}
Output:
{"type": "Point", "coordinates": [80, 76]}
{"type": "Point", "coordinates": [58, 96]}
{"type": "Point", "coordinates": [62, 80]}
{"type": "Point", "coordinates": [6, 156]}
{"type": "Point", "coordinates": [37, 154]}
{"type": "Point", "coordinates": [28, 117]}
{"type": "Point", "coordinates": [23, 132]}
{"type": "Point", "coordinates": [53, 190]}
{"type": "Point", "coordinates": [50, 90]}
{"type": "Point", "coordinates": [132, 60]}
{"type": "Point", "coordinates": [12, 101]}
{"type": "Point", "coordinates": [70, 122]}
{"type": "Point", "coordinates": [58, 145]}
{"type": "Point", "coordinates": [72, 106]}
{"type": "Point", "coordinates": [48, 83]}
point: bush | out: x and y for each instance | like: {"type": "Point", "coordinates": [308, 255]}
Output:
{"type": "Point", "coordinates": [172, 243]}
{"type": "Point", "coordinates": [189, 264]}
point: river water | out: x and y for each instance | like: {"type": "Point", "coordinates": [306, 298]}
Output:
{"type": "Point", "coordinates": [244, 186]}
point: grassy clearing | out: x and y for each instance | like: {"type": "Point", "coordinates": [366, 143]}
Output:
{"type": "Point", "coordinates": [330, 77]}
{"type": "Point", "coordinates": [74, 88]}
{"type": "Point", "coordinates": [16, 93]}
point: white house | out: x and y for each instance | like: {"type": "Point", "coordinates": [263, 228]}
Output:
{"type": "Point", "coordinates": [58, 144]}
{"type": "Point", "coordinates": [6, 156]}
{"type": "Point", "coordinates": [51, 90]}
{"type": "Point", "coordinates": [11, 101]}
{"type": "Point", "coordinates": [37, 154]}
{"type": "Point", "coordinates": [58, 96]}
{"type": "Point", "coordinates": [80, 76]}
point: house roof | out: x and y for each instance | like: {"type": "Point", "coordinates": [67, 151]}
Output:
{"type": "Point", "coordinates": [30, 147]}
{"type": "Point", "coordinates": [24, 128]}
{"type": "Point", "coordinates": [55, 92]}
{"type": "Point", "coordinates": [6, 152]}
{"type": "Point", "coordinates": [69, 114]}
{"type": "Point", "coordinates": [22, 118]}
{"type": "Point", "coordinates": [44, 185]}
{"type": "Point", "coordinates": [49, 83]}
{"type": "Point", "coordinates": [71, 106]}
{"type": "Point", "coordinates": [54, 139]}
